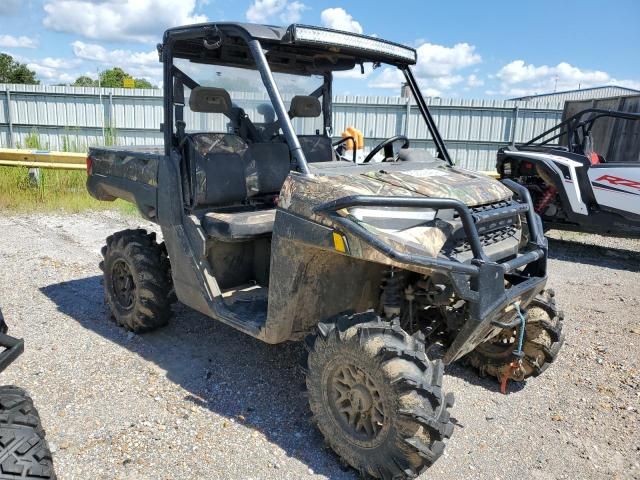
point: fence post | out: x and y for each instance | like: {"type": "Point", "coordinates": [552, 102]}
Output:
{"type": "Point", "coordinates": [407, 116]}
{"type": "Point", "coordinates": [10, 120]}
{"type": "Point", "coordinates": [515, 123]}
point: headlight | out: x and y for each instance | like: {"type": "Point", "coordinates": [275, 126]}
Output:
{"type": "Point", "coordinates": [392, 219]}
{"type": "Point", "coordinates": [324, 37]}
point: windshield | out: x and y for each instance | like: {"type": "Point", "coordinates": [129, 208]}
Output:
{"type": "Point", "coordinates": [247, 92]}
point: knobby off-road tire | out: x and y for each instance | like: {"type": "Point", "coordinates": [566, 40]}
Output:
{"type": "Point", "coordinates": [137, 282]}
{"type": "Point", "coordinates": [24, 453]}
{"type": "Point", "coordinates": [543, 338]}
{"type": "Point", "coordinates": [376, 397]}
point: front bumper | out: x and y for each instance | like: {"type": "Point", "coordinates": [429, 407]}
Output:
{"type": "Point", "coordinates": [479, 281]}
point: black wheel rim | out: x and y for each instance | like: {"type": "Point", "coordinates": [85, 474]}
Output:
{"type": "Point", "coordinates": [502, 345]}
{"type": "Point", "coordinates": [356, 402]}
{"type": "Point", "coordinates": [123, 285]}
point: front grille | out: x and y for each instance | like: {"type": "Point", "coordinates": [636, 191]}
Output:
{"type": "Point", "coordinates": [486, 239]}
{"type": "Point", "coordinates": [492, 224]}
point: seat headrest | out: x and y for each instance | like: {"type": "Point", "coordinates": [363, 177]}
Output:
{"type": "Point", "coordinates": [305, 106]}
{"type": "Point", "coordinates": [210, 100]}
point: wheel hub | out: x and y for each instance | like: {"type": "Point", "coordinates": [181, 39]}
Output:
{"type": "Point", "coordinates": [123, 284]}
{"type": "Point", "coordinates": [356, 402]}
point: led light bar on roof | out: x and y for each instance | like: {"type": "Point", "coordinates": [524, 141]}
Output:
{"type": "Point", "coordinates": [304, 34]}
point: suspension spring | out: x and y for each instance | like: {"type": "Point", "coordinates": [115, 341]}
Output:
{"type": "Point", "coordinates": [392, 287]}
{"type": "Point", "coordinates": [548, 195]}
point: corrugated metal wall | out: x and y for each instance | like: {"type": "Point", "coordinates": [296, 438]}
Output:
{"type": "Point", "coordinates": [72, 117]}
{"type": "Point", "coordinates": [584, 94]}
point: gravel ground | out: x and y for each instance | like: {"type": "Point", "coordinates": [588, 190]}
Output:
{"type": "Point", "coordinates": [200, 400]}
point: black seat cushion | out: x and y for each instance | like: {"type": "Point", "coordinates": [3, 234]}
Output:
{"type": "Point", "coordinates": [237, 226]}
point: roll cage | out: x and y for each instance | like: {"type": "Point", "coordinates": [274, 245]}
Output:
{"type": "Point", "coordinates": [577, 127]}
{"type": "Point", "coordinates": [269, 49]}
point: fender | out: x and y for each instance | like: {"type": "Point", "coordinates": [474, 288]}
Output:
{"type": "Point", "coordinates": [562, 172]}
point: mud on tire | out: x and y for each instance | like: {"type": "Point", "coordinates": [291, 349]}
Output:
{"type": "Point", "coordinates": [543, 338]}
{"type": "Point", "coordinates": [137, 282]}
{"type": "Point", "coordinates": [24, 453]}
{"type": "Point", "coordinates": [376, 397]}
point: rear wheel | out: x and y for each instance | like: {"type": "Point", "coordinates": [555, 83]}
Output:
{"type": "Point", "coordinates": [24, 452]}
{"type": "Point", "coordinates": [543, 339]}
{"type": "Point", "coordinates": [376, 397]}
{"type": "Point", "coordinates": [137, 283]}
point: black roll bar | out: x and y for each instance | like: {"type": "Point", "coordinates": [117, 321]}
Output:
{"type": "Point", "coordinates": [573, 123]}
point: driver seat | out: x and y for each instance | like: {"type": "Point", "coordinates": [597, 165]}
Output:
{"type": "Point", "coordinates": [316, 148]}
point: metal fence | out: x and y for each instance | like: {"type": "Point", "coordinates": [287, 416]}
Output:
{"type": "Point", "coordinates": [74, 118]}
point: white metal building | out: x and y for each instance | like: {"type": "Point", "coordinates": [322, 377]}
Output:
{"type": "Point", "coordinates": [582, 94]}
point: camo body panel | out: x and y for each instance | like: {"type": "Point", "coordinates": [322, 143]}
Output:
{"type": "Point", "coordinates": [301, 194]}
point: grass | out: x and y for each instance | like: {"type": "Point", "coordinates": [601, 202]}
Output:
{"type": "Point", "coordinates": [58, 190]}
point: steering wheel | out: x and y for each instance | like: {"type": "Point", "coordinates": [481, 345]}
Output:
{"type": "Point", "coordinates": [388, 147]}
{"type": "Point", "coordinates": [341, 142]}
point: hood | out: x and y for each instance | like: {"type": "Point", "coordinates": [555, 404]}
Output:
{"type": "Point", "coordinates": [417, 179]}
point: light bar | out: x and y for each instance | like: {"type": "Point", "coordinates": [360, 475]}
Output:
{"type": "Point", "coordinates": [321, 36]}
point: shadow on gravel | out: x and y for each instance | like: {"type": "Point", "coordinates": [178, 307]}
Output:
{"type": "Point", "coordinates": [231, 374]}
{"type": "Point", "coordinates": [599, 256]}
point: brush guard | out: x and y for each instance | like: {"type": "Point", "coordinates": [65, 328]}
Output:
{"type": "Point", "coordinates": [479, 281]}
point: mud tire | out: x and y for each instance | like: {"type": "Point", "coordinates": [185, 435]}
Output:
{"type": "Point", "coordinates": [146, 304]}
{"type": "Point", "coordinates": [543, 339]}
{"type": "Point", "coordinates": [416, 420]}
{"type": "Point", "coordinates": [24, 452]}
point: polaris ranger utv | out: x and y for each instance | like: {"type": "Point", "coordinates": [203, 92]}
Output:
{"type": "Point", "coordinates": [574, 186]}
{"type": "Point", "coordinates": [270, 231]}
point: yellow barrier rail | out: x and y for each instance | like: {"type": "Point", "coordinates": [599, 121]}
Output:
{"type": "Point", "coordinates": [12, 157]}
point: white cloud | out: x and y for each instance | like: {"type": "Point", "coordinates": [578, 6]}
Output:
{"type": "Point", "coordinates": [436, 70]}
{"type": "Point", "coordinates": [54, 70]}
{"type": "Point", "coordinates": [91, 51]}
{"type": "Point", "coordinates": [9, 41]}
{"type": "Point", "coordinates": [339, 19]}
{"type": "Point", "coordinates": [519, 78]}
{"type": "Point", "coordinates": [474, 81]}
{"type": "Point", "coordinates": [138, 64]}
{"type": "Point", "coordinates": [437, 61]}
{"type": "Point", "coordinates": [119, 20]}
{"type": "Point", "coordinates": [263, 11]}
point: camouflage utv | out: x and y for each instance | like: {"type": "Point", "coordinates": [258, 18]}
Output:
{"type": "Point", "coordinates": [270, 230]}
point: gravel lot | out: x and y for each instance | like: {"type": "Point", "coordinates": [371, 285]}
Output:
{"type": "Point", "coordinates": [200, 400]}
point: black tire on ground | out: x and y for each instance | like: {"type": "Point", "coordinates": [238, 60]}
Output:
{"type": "Point", "coordinates": [543, 339]}
{"type": "Point", "coordinates": [137, 283]}
{"type": "Point", "coordinates": [24, 453]}
{"type": "Point", "coordinates": [376, 397]}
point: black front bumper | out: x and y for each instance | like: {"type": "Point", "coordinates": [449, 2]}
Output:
{"type": "Point", "coordinates": [480, 281]}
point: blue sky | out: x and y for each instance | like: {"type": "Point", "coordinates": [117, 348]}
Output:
{"type": "Point", "coordinates": [467, 49]}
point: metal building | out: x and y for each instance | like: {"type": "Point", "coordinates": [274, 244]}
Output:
{"type": "Point", "coordinates": [581, 94]}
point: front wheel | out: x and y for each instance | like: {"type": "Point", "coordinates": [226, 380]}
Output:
{"type": "Point", "coordinates": [543, 339]}
{"type": "Point", "coordinates": [376, 397]}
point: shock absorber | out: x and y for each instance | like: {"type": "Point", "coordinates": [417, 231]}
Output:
{"type": "Point", "coordinates": [548, 195]}
{"type": "Point", "coordinates": [391, 298]}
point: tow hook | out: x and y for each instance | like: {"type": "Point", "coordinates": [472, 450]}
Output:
{"type": "Point", "coordinates": [514, 369]}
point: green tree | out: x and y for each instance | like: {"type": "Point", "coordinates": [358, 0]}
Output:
{"type": "Point", "coordinates": [15, 72]}
{"type": "Point", "coordinates": [85, 81]}
{"type": "Point", "coordinates": [114, 78]}
{"type": "Point", "coordinates": [142, 83]}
